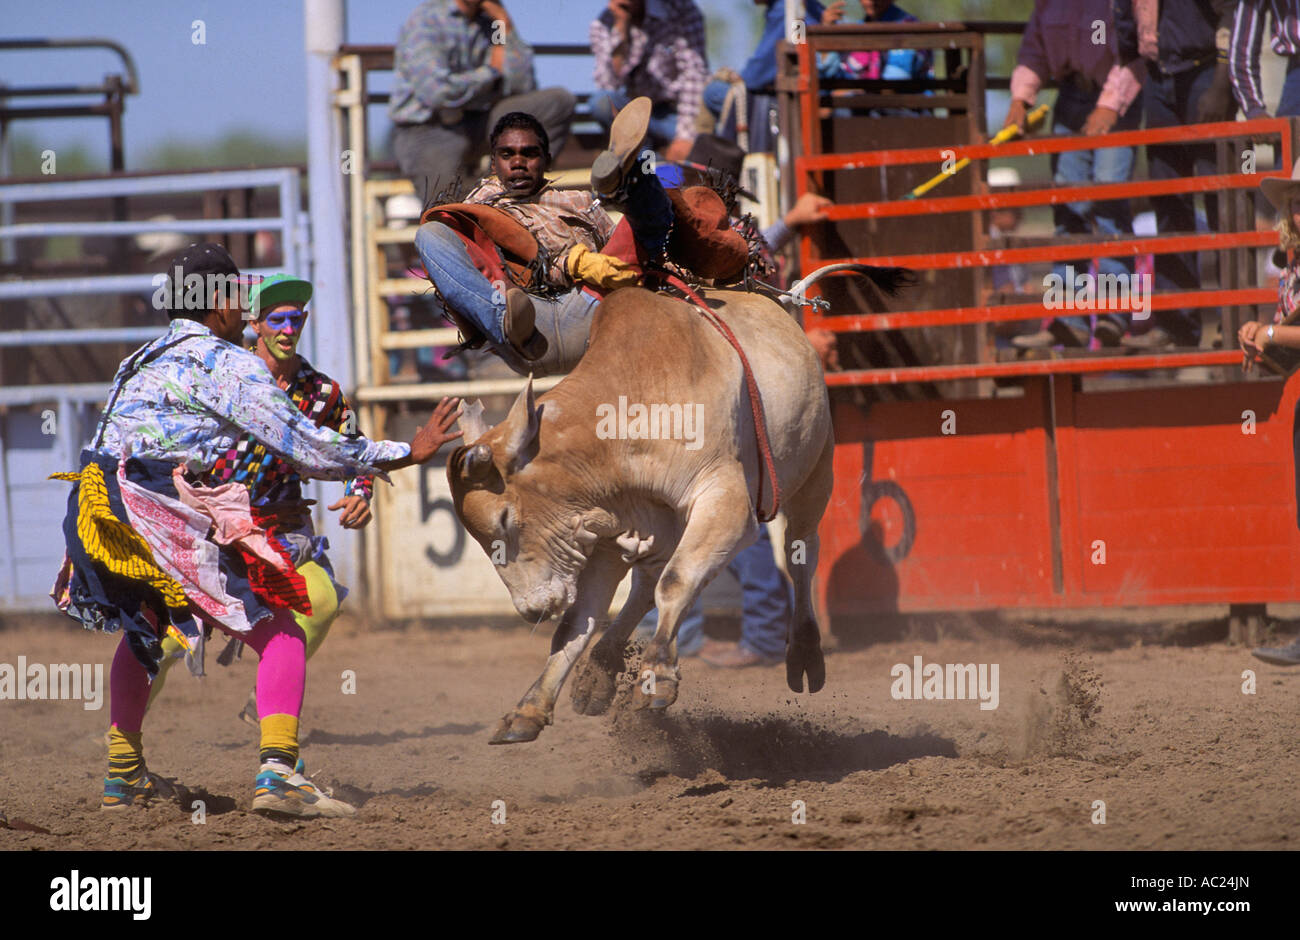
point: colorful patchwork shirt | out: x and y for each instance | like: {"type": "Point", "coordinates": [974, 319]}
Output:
{"type": "Point", "coordinates": [269, 478]}
{"type": "Point", "coordinates": [198, 395]}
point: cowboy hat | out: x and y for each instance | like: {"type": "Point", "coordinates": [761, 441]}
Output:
{"type": "Point", "coordinates": [1279, 191]}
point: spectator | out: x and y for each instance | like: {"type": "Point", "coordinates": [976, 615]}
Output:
{"type": "Point", "coordinates": [758, 77]}
{"type": "Point", "coordinates": [451, 84]}
{"type": "Point", "coordinates": [652, 48]}
{"type": "Point", "coordinates": [894, 65]}
{"type": "Point", "coordinates": [1099, 92]}
{"type": "Point", "coordinates": [1185, 43]}
{"type": "Point", "coordinates": [1243, 54]}
{"type": "Point", "coordinates": [1005, 222]}
{"type": "Point", "coordinates": [1255, 338]}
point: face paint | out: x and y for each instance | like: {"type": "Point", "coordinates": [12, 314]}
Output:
{"type": "Point", "coordinates": [281, 319]}
{"type": "Point", "coordinates": [280, 331]}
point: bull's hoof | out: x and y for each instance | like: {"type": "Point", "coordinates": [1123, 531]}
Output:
{"type": "Point", "coordinates": [519, 726]}
{"type": "Point", "coordinates": [593, 690]}
{"type": "Point", "coordinates": [664, 694]}
{"type": "Point", "coordinates": [805, 659]}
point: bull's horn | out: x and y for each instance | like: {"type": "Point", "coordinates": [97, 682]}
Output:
{"type": "Point", "coordinates": [522, 423]}
{"type": "Point", "coordinates": [471, 421]}
{"type": "Point", "coordinates": [477, 463]}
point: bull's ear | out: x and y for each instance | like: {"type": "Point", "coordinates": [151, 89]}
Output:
{"type": "Point", "coordinates": [521, 427]}
{"type": "Point", "coordinates": [471, 421]}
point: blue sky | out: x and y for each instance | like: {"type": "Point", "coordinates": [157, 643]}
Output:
{"type": "Point", "coordinates": [249, 76]}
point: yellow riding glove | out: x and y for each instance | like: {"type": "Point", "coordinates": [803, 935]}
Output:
{"type": "Point", "coordinates": [604, 271]}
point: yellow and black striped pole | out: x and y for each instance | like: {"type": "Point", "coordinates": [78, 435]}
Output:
{"type": "Point", "coordinates": [1001, 137]}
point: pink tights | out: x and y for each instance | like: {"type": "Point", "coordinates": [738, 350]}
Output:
{"type": "Point", "coordinates": [281, 673]}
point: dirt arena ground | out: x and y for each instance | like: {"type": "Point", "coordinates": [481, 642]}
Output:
{"type": "Point", "coordinates": [1163, 735]}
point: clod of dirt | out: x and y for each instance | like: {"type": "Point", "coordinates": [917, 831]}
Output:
{"type": "Point", "coordinates": [1059, 717]}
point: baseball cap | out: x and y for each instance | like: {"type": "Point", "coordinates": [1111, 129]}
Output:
{"type": "Point", "coordinates": [205, 260]}
{"type": "Point", "coordinates": [277, 289]}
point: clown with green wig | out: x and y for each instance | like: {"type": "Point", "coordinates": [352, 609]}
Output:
{"type": "Point", "coordinates": [277, 306]}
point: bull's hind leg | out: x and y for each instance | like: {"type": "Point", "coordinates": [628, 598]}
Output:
{"type": "Point", "coordinates": [587, 617]}
{"type": "Point", "coordinates": [720, 524]}
{"type": "Point", "coordinates": [803, 512]}
{"type": "Point", "coordinates": [594, 676]}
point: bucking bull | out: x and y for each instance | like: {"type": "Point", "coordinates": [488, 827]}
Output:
{"type": "Point", "coordinates": [572, 498]}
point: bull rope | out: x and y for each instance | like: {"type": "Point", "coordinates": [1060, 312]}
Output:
{"type": "Point", "coordinates": [755, 399]}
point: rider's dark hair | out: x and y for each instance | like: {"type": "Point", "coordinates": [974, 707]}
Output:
{"type": "Point", "coordinates": [519, 120]}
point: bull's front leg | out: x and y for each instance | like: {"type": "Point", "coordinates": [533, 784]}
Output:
{"type": "Point", "coordinates": [588, 616]}
{"type": "Point", "coordinates": [720, 524]}
{"type": "Point", "coordinates": [595, 681]}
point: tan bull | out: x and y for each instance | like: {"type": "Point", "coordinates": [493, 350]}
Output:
{"type": "Point", "coordinates": [572, 489]}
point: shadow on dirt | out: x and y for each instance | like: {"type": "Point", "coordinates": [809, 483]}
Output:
{"type": "Point", "coordinates": [774, 750]}
{"type": "Point", "coordinates": [317, 736]}
{"type": "Point", "coordinates": [359, 797]}
{"type": "Point", "coordinates": [184, 798]}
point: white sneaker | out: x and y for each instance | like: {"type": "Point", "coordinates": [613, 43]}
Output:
{"type": "Point", "coordinates": [280, 790]}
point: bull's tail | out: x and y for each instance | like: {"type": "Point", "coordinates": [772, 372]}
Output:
{"type": "Point", "coordinates": [889, 280]}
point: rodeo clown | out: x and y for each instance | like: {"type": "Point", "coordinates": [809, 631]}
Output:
{"type": "Point", "coordinates": [278, 306]}
{"type": "Point", "coordinates": [154, 551]}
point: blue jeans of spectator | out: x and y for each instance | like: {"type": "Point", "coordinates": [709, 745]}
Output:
{"type": "Point", "coordinates": [1171, 100]}
{"type": "Point", "coordinates": [758, 114]}
{"type": "Point", "coordinates": [767, 605]}
{"type": "Point", "coordinates": [1075, 167]}
{"type": "Point", "coordinates": [563, 319]}
{"type": "Point", "coordinates": [663, 116]}
{"type": "Point", "coordinates": [1289, 106]}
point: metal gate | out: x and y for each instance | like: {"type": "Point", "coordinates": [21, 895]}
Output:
{"type": "Point", "coordinates": [43, 426]}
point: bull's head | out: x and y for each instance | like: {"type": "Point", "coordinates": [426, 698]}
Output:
{"type": "Point", "coordinates": [520, 510]}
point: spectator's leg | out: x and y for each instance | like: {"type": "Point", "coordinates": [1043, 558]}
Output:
{"type": "Point", "coordinates": [1289, 106]}
{"type": "Point", "coordinates": [690, 632]}
{"type": "Point", "coordinates": [1165, 107]}
{"type": "Point", "coordinates": [760, 123]}
{"type": "Point", "coordinates": [552, 106]}
{"type": "Point", "coordinates": [1071, 168]}
{"type": "Point", "coordinates": [663, 125]}
{"type": "Point", "coordinates": [768, 599]}
{"type": "Point", "coordinates": [431, 156]}
{"type": "Point", "coordinates": [1114, 216]}
{"type": "Point", "coordinates": [715, 96]}
{"type": "Point", "coordinates": [604, 105]}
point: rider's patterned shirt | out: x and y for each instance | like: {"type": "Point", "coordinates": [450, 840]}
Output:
{"type": "Point", "coordinates": [199, 395]}
{"type": "Point", "coordinates": [557, 218]}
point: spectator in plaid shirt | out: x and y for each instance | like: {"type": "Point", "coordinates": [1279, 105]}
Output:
{"type": "Point", "coordinates": [452, 82]}
{"type": "Point", "coordinates": [653, 48]}
{"type": "Point", "coordinates": [279, 304]}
